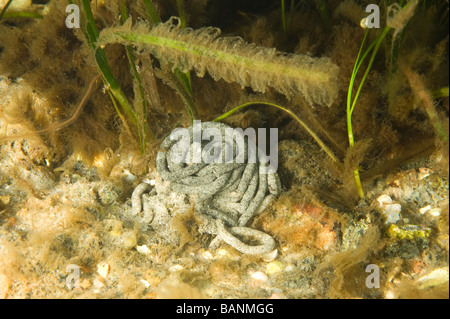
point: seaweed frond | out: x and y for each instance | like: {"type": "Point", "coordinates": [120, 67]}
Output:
{"type": "Point", "coordinates": [231, 59]}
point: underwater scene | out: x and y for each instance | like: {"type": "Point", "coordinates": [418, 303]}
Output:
{"type": "Point", "coordinates": [224, 149]}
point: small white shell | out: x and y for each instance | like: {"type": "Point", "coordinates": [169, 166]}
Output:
{"type": "Point", "coordinates": [270, 256]}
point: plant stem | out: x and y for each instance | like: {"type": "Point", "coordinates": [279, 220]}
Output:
{"type": "Point", "coordinates": [439, 93]}
{"type": "Point", "coordinates": [351, 105]}
{"type": "Point", "coordinates": [184, 78]}
{"type": "Point", "coordinates": [283, 16]}
{"type": "Point", "coordinates": [181, 13]}
{"type": "Point", "coordinates": [315, 137]}
{"type": "Point", "coordinates": [23, 14]}
{"type": "Point", "coordinates": [91, 34]}
{"type": "Point", "coordinates": [4, 8]}
{"type": "Point", "coordinates": [141, 113]}
{"type": "Point", "coordinates": [152, 14]}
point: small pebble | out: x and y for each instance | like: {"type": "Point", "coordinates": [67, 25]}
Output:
{"type": "Point", "coordinates": [103, 270]}
{"type": "Point", "coordinates": [175, 268]}
{"type": "Point", "coordinates": [390, 295]}
{"type": "Point", "coordinates": [145, 282]}
{"type": "Point", "coordinates": [392, 213]}
{"type": "Point", "coordinates": [423, 210]}
{"type": "Point", "coordinates": [435, 212]}
{"type": "Point", "coordinates": [143, 250]}
{"type": "Point", "coordinates": [384, 199]}
{"type": "Point", "coordinates": [277, 295]}
{"type": "Point", "coordinates": [259, 276]}
{"type": "Point", "coordinates": [223, 253]}
{"type": "Point", "coordinates": [5, 199]}
{"type": "Point", "coordinates": [274, 267]}
{"type": "Point", "coordinates": [128, 177]}
{"type": "Point", "coordinates": [289, 268]}
{"type": "Point", "coordinates": [271, 255]}
{"type": "Point", "coordinates": [424, 172]}
{"type": "Point", "coordinates": [207, 255]}
{"type": "Point", "coordinates": [435, 278]}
